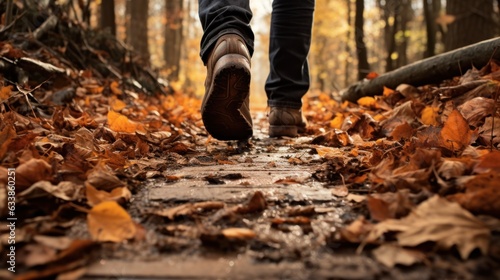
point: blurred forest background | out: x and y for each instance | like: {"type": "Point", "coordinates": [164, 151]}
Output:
{"type": "Point", "coordinates": [351, 38]}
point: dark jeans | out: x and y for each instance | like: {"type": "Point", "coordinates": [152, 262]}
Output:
{"type": "Point", "coordinates": [290, 39]}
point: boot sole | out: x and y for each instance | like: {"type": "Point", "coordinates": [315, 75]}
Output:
{"type": "Point", "coordinates": [221, 112]}
{"type": "Point", "coordinates": [283, 130]}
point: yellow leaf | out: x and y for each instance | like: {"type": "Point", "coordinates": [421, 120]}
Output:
{"type": "Point", "coordinates": [430, 116]}
{"type": "Point", "coordinates": [108, 221]}
{"type": "Point", "coordinates": [121, 123]}
{"type": "Point", "coordinates": [455, 135]}
{"type": "Point", "coordinates": [367, 101]}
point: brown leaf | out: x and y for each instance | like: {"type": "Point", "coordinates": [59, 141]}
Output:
{"type": "Point", "coordinates": [6, 136]}
{"type": "Point", "coordinates": [189, 209]}
{"type": "Point", "coordinates": [65, 190]}
{"type": "Point", "coordinates": [103, 179]}
{"type": "Point", "coordinates": [95, 196]}
{"type": "Point", "coordinates": [238, 233]}
{"type": "Point", "coordinates": [357, 230]}
{"type": "Point", "coordinates": [490, 161]}
{"type": "Point", "coordinates": [379, 209]}
{"type": "Point", "coordinates": [490, 131]}
{"type": "Point", "coordinates": [257, 203]}
{"type": "Point", "coordinates": [441, 221]}
{"type": "Point", "coordinates": [482, 195]}
{"type": "Point", "coordinates": [340, 191]}
{"type": "Point", "coordinates": [402, 132]}
{"type": "Point", "coordinates": [476, 110]}
{"type": "Point", "coordinates": [391, 255]}
{"type": "Point", "coordinates": [455, 135]}
{"type": "Point", "coordinates": [32, 171]}
{"type": "Point", "coordinates": [108, 221]}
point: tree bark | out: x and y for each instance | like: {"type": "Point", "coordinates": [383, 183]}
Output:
{"type": "Point", "coordinates": [430, 70]}
{"type": "Point", "coordinates": [430, 28]}
{"type": "Point", "coordinates": [473, 22]}
{"type": "Point", "coordinates": [359, 35]}
{"type": "Point", "coordinates": [107, 19]}
{"type": "Point", "coordinates": [173, 38]}
{"type": "Point", "coordinates": [137, 27]}
{"type": "Point", "coordinates": [347, 46]}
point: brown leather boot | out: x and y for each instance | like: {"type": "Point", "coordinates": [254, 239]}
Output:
{"type": "Point", "coordinates": [225, 108]}
{"type": "Point", "coordinates": [286, 122]}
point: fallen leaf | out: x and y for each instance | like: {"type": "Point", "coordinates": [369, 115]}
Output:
{"type": "Point", "coordinates": [95, 196]}
{"type": "Point", "coordinates": [189, 209]}
{"type": "Point", "coordinates": [441, 221]}
{"type": "Point", "coordinates": [103, 179]}
{"type": "Point", "coordinates": [257, 203]}
{"type": "Point", "coordinates": [477, 109]}
{"type": "Point", "coordinates": [65, 190]}
{"type": "Point", "coordinates": [340, 191]}
{"type": "Point", "coordinates": [6, 135]}
{"type": "Point", "coordinates": [455, 135]}
{"type": "Point", "coordinates": [32, 171]}
{"type": "Point", "coordinates": [367, 101]}
{"type": "Point", "coordinates": [108, 221]}
{"type": "Point", "coordinates": [120, 123]}
{"type": "Point", "coordinates": [356, 197]}
{"type": "Point", "coordinates": [489, 161]}
{"type": "Point", "coordinates": [356, 231]}
{"type": "Point", "coordinates": [116, 104]}
{"type": "Point", "coordinates": [238, 233]}
{"type": "Point", "coordinates": [482, 195]}
{"type": "Point", "coordinates": [391, 255]}
{"type": "Point", "coordinates": [115, 88]}
{"type": "Point", "coordinates": [430, 116]}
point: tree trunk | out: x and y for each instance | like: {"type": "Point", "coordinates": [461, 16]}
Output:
{"type": "Point", "coordinates": [359, 35]}
{"type": "Point", "coordinates": [173, 37]}
{"type": "Point", "coordinates": [347, 45]}
{"type": "Point", "coordinates": [473, 22]}
{"type": "Point", "coordinates": [405, 15]}
{"type": "Point", "coordinates": [430, 28]}
{"type": "Point", "coordinates": [137, 27]}
{"type": "Point", "coordinates": [107, 19]}
{"type": "Point", "coordinates": [430, 70]}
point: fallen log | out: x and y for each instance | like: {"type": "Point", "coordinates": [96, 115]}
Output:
{"type": "Point", "coordinates": [427, 71]}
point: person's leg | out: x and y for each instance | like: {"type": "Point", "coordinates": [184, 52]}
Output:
{"type": "Point", "coordinates": [219, 17]}
{"type": "Point", "coordinates": [226, 48]}
{"type": "Point", "coordinates": [288, 80]}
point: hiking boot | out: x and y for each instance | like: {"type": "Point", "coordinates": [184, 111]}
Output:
{"type": "Point", "coordinates": [225, 107]}
{"type": "Point", "coordinates": [286, 122]}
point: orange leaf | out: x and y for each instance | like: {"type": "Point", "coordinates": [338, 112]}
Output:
{"type": "Point", "coordinates": [371, 75]}
{"type": "Point", "coordinates": [121, 123]}
{"type": "Point", "coordinates": [6, 136]}
{"type": "Point", "coordinates": [108, 221]}
{"type": "Point", "coordinates": [430, 116]}
{"type": "Point", "coordinates": [455, 135]}
{"type": "Point", "coordinates": [388, 91]}
{"type": "Point", "coordinates": [116, 104]}
{"type": "Point", "coordinates": [367, 101]}
{"type": "Point", "coordinates": [5, 92]}
{"type": "Point", "coordinates": [115, 88]}
{"type": "Point", "coordinates": [402, 131]}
